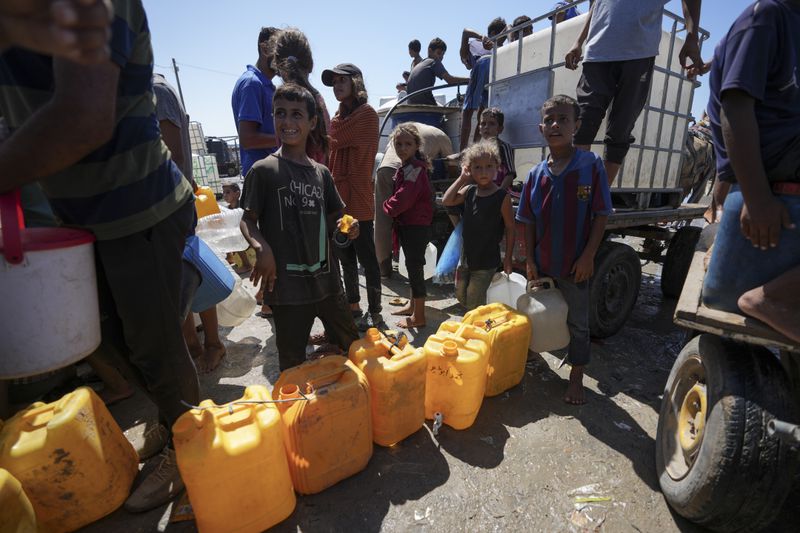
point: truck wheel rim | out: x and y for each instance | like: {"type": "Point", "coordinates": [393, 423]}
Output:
{"type": "Point", "coordinates": [684, 419]}
{"type": "Point", "coordinates": [692, 420]}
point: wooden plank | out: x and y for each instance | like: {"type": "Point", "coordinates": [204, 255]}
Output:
{"type": "Point", "coordinates": [689, 300]}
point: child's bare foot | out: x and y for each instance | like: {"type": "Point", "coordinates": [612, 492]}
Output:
{"type": "Point", "coordinates": [411, 322]}
{"type": "Point", "coordinates": [778, 314]}
{"type": "Point", "coordinates": [212, 356]}
{"type": "Point", "coordinates": [575, 395]}
{"type": "Point", "coordinates": [112, 395]}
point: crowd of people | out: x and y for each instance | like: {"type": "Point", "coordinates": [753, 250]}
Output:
{"type": "Point", "coordinates": [76, 79]}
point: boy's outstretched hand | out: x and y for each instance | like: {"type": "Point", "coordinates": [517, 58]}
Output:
{"type": "Point", "coordinates": [761, 222]}
{"type": "Point", "coordinates": [265, 270]}
{"type": "Point", "coordinates": [583, 267]}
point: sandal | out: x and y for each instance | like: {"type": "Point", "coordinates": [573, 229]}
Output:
{"type": "Point", "coordinates": [318, 339]}
{"type": "Point", "coordinates": [398, 301]}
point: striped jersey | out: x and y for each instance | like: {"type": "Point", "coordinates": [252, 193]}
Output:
{"type": "Point", "coordinates": [563, 207]}
{"type": "Point", "coordinates": [130, 183]}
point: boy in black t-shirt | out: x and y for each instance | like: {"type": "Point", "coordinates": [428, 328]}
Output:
{"type": "Point", "coordinates": [291, 209]}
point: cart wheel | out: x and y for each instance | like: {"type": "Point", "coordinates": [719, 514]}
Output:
{"type": "Point", "coordinates": [715, 463]}
{"type": "Point", "coordinates": [678, 260]}
{"type": "Point", "coordinates": [613, 288]}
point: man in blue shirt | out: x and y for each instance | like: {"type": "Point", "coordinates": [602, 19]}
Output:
{"type": "Point", "coordinates": [252, 107]}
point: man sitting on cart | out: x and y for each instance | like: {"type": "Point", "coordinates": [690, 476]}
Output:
{"type": "Point", "coordinates": [754, 110]}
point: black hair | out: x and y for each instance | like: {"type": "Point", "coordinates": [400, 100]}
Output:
{"type": "Point", "coordinates": [522, 19]}
{"type": "Point", "coordinates": [296, 93]}
{"type": "Point", "coordinates": [415, 46]}
{"type": "Point", "coordinates": [265, 34]}
{"type": "Point", "coordinates": [562, 99]}
{"type": "Point", "coordinates": [496, 113]}
{"type": "Point", "coordinates": [496, 26]}
{"type": "Point", "coordinates": [437, 44]}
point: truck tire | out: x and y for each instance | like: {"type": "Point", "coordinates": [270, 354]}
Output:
{"type": "Point", "coordinates": [678, 260]}
{"type": "Point", "coordinates": [614, 288]}
{"type": "Point", "coordinates": [715, 463]}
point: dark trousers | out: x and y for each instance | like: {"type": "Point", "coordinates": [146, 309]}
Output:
{"type": "Point", "coordinates": [361, 250]}
{"type": "Point", "coordinates": [577, 298]}
{"type": "Point", "coordinates": [625, 86]}
{"type": "Point", "coordinates": [293, 325]}
{"type": "Point", "coordinates": [414, 240]}
{"type": "Point", "coordinates": [140, 279]}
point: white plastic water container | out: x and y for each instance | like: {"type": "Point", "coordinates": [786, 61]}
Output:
{"type": "Point", "coordinates": [430, 262]}
{"type": "Point", "coordinates": [506, 288]}
{"type": "Point", "coordinates": [49, 313]}
{"type": "Point", "coordinates": [221, 231]}
{"type": "Point", "coordinates": [547, 310]}
{"type": "Point", "coordinates": [237, 307]}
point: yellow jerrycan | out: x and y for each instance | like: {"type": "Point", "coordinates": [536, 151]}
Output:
{"type": "Point", "coordinates": [547, 310]}
{"type": "Point", "coordinates": [205, 202]}
{"type": "Point", "coordinates": [457, 357]}
{"type": "Point", "coordinates": [232, 460]}
{"type": "Point", "coordinates": [327, 428]}
{"type": "Point", "coordinates": [72, 460]}
{"type": "Point", "coordinates": [396, 375]}
{"type": "Point", "coordinates": [16, 511]}
{"type": "Point", "coordinates": [509, 336]}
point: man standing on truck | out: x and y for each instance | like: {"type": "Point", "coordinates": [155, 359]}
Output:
{"type": "Point", "coordinates": [252, 107]}
{"type": "Point", "coordinates": [623, 39]}
{"type": "Point", "coordinates": [425, 73]}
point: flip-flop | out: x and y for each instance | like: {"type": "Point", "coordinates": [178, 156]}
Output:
{"type": "Point", "coordinates": [262, 314]}
{"type": "Point", "coordinates": [398, 301]}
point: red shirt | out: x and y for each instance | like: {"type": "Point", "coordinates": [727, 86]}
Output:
{"type": "Point", "coordinates": [411, 203]}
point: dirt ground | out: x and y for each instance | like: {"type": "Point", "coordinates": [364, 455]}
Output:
{"type": "Point", "coordinates": [518, 468]}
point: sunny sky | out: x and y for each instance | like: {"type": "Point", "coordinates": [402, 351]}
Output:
{"type": "Point", "coordinates": [213, 41]}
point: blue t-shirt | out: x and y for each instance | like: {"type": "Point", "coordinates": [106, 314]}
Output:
{"type": "Point", "coordinates": [759, 56]}
{"type": "Point", "coordinates": [563, 208]}
{"type": "Point", "coordinates": [623, 30]}
{"type": "Point", "coordinates": [252, 100]}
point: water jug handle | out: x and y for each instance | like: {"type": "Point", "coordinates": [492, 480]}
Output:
{"type": "Point", "coordinates": [539, 284]}
{"type": "Point", "coordinates": [13, 222]}
{"type": "Point", "coordinates": [320, 382]}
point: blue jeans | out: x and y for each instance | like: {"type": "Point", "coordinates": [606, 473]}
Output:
{"type": "Point", "coordinates": [737, 266]}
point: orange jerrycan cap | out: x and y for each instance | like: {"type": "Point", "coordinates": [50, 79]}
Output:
{"type": "Point", "coordinates": [373, 334]}
{"type": "Point", "coordinates": [288, 392]}
{"type": "Point", "coordinates": [450, 348]}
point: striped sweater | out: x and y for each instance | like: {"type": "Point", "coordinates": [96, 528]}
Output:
{"type": "Point", "coordinates": [130, 183]}
{"type": "Point", "coordinates": [354, 143]}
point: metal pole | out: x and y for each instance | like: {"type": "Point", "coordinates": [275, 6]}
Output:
{"type": "Point", "coordinates": [177, 79]}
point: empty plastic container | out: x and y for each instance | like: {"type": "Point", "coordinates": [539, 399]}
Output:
{"type": "Point", "coordinates": [233, 463]}
{"type": "Point", "coordinates": [221, 231]}
{"type": "Point", "coordinates": [506, 288]}
{"type": "Point", "coordinates": [16, 511]}
{"type": "Point", "coordinates": [547, 310]}
{"type": "Point", "coordinates": [327, 434]}
{"type": "Point", "coordinates": [457, 357]}
{"type": "Point", "coordinates": [238, 306]}
{"type": "Point", "coordinates": [509, 336]}
{"type": "Point", "coordinates": [430, 262]}
{"type": "Point", "coordinates": [71, 458]}
{"type": "Point", "coordinates": [48, 279]}
{"type": "Point", "coordinates": [396, 375]}
{"type": "Point", "coordinates": [205, 202]}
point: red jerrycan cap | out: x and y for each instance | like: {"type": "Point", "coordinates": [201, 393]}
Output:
{"type": "Point", "coordinates": [16, 239]}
